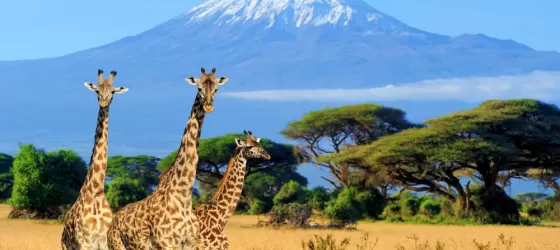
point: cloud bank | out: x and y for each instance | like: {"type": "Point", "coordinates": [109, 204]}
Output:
{"type": "Point", "coordinates": [542, 85]}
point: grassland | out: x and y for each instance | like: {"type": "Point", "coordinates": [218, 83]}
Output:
{"type": "Point", "coordinates": [43, 235]}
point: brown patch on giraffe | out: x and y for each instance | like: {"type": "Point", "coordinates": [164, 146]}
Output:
{"type": "Point", "coordinates": [91, 221]}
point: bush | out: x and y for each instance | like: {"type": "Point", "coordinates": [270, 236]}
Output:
{"type": "Point", "coordinates": [392, 210]}
{"type": "Point", "coordinates": [535, 211]}
{"type": "Point", "coordinates": [291, 192]}
{"type": "Point", "coordinates": [371, 202]}
{"type": "Point", "coordinates": [430, 208]}
{"type": "Point", "coordinates": [551, 208]}
{"type": "Point", "coordinates": [259, 207]}
{"type": "Point", "coordinates": [122, 191]}
{"type": "Point", "coordinates": [296, 215]}
{"type": "Point", "coordinates": [447, 208]}
{"type": "Point", "coordinates": [318, 198]}
{"type": "Point", "coordinates": [500, 209]}
{"type": "Point", "coordinates": [44, 181]}
{"type": "Point", "coordinates": [409, 204]}
{"type": "Point", "coordinates": [344, 209]}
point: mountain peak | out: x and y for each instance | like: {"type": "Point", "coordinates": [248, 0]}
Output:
{"type": "Point", "coordinates": [295, 12]}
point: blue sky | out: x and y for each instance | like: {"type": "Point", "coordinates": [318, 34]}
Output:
{"type": "Point", "coordinates": [38, 28]}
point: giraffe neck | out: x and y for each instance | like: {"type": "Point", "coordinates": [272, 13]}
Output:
{"type": "Point", "coordinates": [179, 178]}
{"type": "Point", "coordinates": [94, 185]}
{"type": "Point", "coordinates": [228, 192]}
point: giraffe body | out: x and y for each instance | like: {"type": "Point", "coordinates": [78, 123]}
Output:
{"type": "Point", "coordinates": [165, 219]}
{"type": "Point", "coordinates": [87, 221]}
{"type": "Point", "coordinates": [212, 217]}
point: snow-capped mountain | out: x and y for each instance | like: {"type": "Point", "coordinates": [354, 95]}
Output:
{"type": "Point", "coordinates": [293, 12]}
{"type": "Point", "coordinates": [293, 44]}
{"type": "Point", "coordinates": [260, 45]}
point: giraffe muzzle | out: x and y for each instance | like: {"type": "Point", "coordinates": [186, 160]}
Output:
{"type": "Point", "coordinates": [208, 108]}
{"type": "Point", "coordinates": [266, 156]}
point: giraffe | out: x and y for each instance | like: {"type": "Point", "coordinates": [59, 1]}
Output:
{"type": "Point", "coordinates": [165, 219]}
{"type": "Point", "coordinates": [213, 216]}
{"type": "Point", "coordinates": [87, 221]}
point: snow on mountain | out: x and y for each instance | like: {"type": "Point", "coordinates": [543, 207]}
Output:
{"type": "Point", "coordinates": [297, 12]}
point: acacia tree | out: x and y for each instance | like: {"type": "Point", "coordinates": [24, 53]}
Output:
{"type": "Point", "coordinates": [492, 142]}
{"type": "Point", "coordinates": [332, 129]}
{"type": "Point", "coordinates": [547, 177]}
{"type": "Point", "coordinates": [142, 168]}
{"type": "Point", "coordinates": [215, 153]}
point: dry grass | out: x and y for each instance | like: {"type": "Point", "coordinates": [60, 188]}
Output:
{"type": "Point", "coordinates": [39, 235]}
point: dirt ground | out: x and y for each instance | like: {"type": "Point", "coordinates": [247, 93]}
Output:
{"type": "Point", "coordinates": [43, 235]}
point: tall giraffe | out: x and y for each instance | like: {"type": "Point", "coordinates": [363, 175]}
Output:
{"type": "Point", "coordinates": [165, 219]}
{"type": "Point", "coordinates": [87, 222]}
{"type": "Point", "coordinates": [212, 217]}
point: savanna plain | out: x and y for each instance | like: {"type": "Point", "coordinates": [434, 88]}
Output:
{"type": "Point", "coordinates": [43, 235]}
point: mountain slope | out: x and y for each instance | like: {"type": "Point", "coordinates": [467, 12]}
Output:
{"type": "Point", "coordinates": [294, 44]}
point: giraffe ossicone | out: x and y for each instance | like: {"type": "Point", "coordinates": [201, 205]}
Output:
{"type": "Point", "coordinates": [87, 222]}
{"type": "Point", "coordinates": [165, 219]}
{"type": "Point", "coordinates": [213, 217]}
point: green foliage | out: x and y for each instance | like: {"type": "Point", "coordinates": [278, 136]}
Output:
{"type": "Point", "coordinates": [260, 206]}
{"type": "Point", "coordinates": [122, 191]}
{"type": "Point", "coordinates": [409, 204]}
{"type": "Point", "coordinates": [264, 186]}
{"type": "Point", "coordinates": [430, 208]}
{"type": "Point", "coordinates": [6, 176]}
{"type": "Point", "coordinates": [495, 137]}
{"type": "Point", "coordinates": [500, 209]}
{"type": "Point", "coordinates": [371, 202]}
{"type": "Point", "coordinates": [291, 192]}
{"type": "Point", "coordinates": [551, 208]}
{"type": "Point", "coordinates": [331, 129]}
{"type": "Point", "coordinates": [530, 197]}
{"type": "Point", "coordinates": [45, 180]}
{"type": "Point", "coordinates": [318, 197]}
{"type": "Point", "coordinates": [141, 168]}
{"type": "Point", "coordinates": [345, 208]}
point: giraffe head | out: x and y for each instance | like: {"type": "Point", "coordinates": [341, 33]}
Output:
{"type": "Point", "coordinates": [105, 88]}
{"type": "Point", "coordinates": [250, 147]}
{"type": "Point", "coordinates": [207, 86]}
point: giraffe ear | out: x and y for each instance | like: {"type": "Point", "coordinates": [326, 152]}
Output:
{"type": "Point", "coordinates": [239, 142]}
{"type": "Point", "coordinates": [120, 90]}
{"type": "Point", "coordinates": [192, 80]}
{"type": "Point", "coordinates": [90, 86]}
{"type": "Point", "coordinates": [222, 80]}
{"type": "Point", "coordinates": [258, 140]}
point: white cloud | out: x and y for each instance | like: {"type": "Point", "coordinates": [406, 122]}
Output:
{"type": "Point", "coordinates": [542, 85]}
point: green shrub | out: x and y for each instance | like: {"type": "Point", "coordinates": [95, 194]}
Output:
{"type": "Point", "coordinates": [499, 209]}
{"type": "Point", "coordinates": [344, 209]}
{"type": "Point", "coordinates": [44, 181]}
{"type": "Point", "coordinates": [409, 204]}
{"type": "Point", "coordinates": [430, 208]}
{"type": "Point", "coordinates": [291, 192]}
{"type": "Point", "coordinates": [371, 202]}
{"type": "Point", "coordinates": [318, 198]}
{"type": "Point", "coordinates": [259, 207]}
